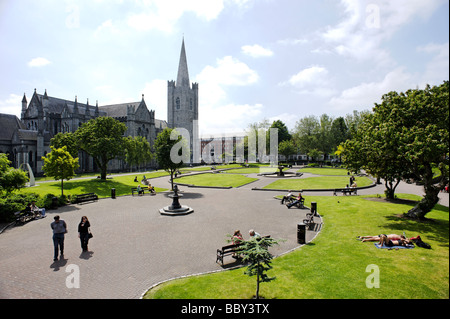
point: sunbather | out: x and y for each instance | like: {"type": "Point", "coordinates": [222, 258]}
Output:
{"type": "Point", "coordinates": [378, 237]}
{"type": "Point", "coordinates": [396, 242]}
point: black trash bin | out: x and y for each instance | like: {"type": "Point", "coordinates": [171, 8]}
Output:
{"type": "Point", "coordinates": [113, 193]}
{"type": "Point", "coordinates": [55, 202]}
{"type": "Point", "coordinates": [301, 233]}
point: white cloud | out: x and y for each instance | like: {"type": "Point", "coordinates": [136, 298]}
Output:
{"type": "Point", "coordinates": [162, 15]}
{"type": "Point", "coordinates": [256, 51]}
{"type": "Point", "coordinates": [216, 115]}
{"type": "Point", "coordinates": [313, 75]}
{"type": "Point", "coordinates": [38, 62]}
{"type": "Point", "coordinates": [229, 118]}
{"type": "Point", "coordinates": [228, 72]}
{"type": "Point", "coordinates": [12, 105]}
{"type": "Point", "coordinates": [437, 69]}
{"type": "Point", "coordinates": [363, 96]}
{"type": "Point", "coordinates": [367, 24]}
{"type": "Point", "coordinates": [313, 80]}
{"type": "Point", "coordinates": [155, 95]}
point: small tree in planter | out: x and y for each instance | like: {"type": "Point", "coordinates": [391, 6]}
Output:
{"type": "Point", "coordinates": [255, 252]}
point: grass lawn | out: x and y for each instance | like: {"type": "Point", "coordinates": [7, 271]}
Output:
{"type": "Point", "coordinates": [217, 180]}
{"type": "Point", "coordinates": [324, 171]}
{"type": "Point", "coordinates": [322, 182]}
{"type": "Point", "coordinates": [122, 184]}
{"type": "Point", "coordinates": [334, 265]}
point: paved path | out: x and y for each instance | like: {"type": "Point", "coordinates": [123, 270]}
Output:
{"type": "Point", "coordinates": [134, 247]}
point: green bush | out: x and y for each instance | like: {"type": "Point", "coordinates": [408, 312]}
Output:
{"type": "Point", "coordinates": [15, 203]}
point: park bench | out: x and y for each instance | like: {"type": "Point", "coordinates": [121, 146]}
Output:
{"type": "Point", "coordinates": [143, 190]}
{"type": "Point", "coordinates": [228, 250]}
{"type": "Point", "coordinates": [81, 198]}
{"type": "Point", "coordinates": [346, 191]}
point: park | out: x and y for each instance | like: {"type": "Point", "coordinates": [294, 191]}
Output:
{"type": "Point", "coordinates": [138, 253]}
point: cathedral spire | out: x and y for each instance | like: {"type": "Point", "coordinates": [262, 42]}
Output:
{"type": "Point", "coordinates": [183, 74]}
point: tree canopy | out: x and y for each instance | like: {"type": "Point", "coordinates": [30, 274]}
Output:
{"type": "Point", "coordinates": [406, 136]}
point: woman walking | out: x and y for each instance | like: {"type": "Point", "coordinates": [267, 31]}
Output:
{"type": "Point", "coordinates": [84, 232]}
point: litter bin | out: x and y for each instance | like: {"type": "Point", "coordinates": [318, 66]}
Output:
{"type": "Point", "coordinates": [314, 208]}
{"type": "Point", "coordinates": [54, 202]}
{"type": "Point", "coordinates": [113, 193]}
{"type": "Point", "coordinates": [301, 233]}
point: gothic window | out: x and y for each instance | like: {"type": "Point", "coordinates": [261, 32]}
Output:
{"type": "Point", "coordinates": [178, 103]}
{"type": "Point", "coordinates": [190, 104]}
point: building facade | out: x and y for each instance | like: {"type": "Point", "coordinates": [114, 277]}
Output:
{"type": "Point", "coordinates": [27, 139]}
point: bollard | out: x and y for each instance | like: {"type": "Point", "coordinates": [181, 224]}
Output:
{"type": "Point", "coordinates": [301, 233]}
{"type": "Point", "coordinates": [314, 208]}
{"type": "Point", "coordinates": [113, 193]}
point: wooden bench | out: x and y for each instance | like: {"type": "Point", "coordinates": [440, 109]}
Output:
{"type": "Point", "coordinates": [143, 190]}
{"type": "Point", "coordinates": [81, 198]}
{"type": "Point", "coordinates": [228, 250]}
{"type": "Point", "coordinates": [346, 191]}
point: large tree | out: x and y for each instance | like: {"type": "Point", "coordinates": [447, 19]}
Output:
{"type": "Point", "coordinates": [103, 139]}
{"type": "Point", "coordinates": [406, 136]}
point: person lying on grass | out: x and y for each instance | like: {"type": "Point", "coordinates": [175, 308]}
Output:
{"type": "Point", "coordinates": [378, 237]}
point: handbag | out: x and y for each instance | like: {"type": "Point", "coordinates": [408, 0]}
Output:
{"type": "Point", "coordinates": [90, 235]}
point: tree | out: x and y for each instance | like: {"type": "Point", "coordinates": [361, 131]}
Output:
{"type": "Point", "coordinates": [10, 178]}
{"type": "Point", "coordinates": [137, 151]}
{"type": "Point", "coordinates": [286, 148]}
{"type": "Point", "coordinates": [305, 133]}
{"type": "Point", "coordinates": [169, 151]}
{"type": "Point", "coordinates": [406, 136]}
{"type": "Point", "coordinates": [60, 165]}
{"type": "Point", "coordinates": [102, 138]}
{"type": "Point", "coordinates": [255, 252]}
{"type": "Point", "coordinates": [69, 140]}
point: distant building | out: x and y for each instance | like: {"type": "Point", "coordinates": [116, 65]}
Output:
{"type": "Point", "coordinates": [28, 139]}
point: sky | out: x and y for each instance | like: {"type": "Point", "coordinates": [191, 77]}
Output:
{"type": "Point", "coordinates": [254, 60]}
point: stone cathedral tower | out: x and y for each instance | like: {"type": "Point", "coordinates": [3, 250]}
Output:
{"type": "Point", "coordinates": [182, 101]}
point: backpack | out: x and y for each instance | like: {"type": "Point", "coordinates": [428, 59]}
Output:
{"type": "Point", "coordinates": [420, 243]}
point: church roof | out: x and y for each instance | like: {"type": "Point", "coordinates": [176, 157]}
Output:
{"type": "Point", "coordinates": [9, 124]}
{"type": "Point", "coordinates": [117, 110]}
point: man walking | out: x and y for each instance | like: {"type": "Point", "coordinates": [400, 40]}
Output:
{"type": "Point", "coordinates": [59, 229]}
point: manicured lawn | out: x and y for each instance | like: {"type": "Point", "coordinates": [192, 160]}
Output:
{"type": "Point", "coordinates": [334, 265]}
{"type": "Point", "coordinates": [216, 180]}
{"type": "Point", "coordinates": [323, 182]}
{"type": "Point", "coordinates": [122, 184]}
{"type": "Point", "coordinates": [324, 171]}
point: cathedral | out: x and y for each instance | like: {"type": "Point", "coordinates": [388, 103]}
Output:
{"type": "Point", "coordinates": [28, 139]}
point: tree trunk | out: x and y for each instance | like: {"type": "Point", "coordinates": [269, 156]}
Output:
{"type": "Point", "coordinates": [427, 203]}
{"type": "Point", "coordinates": [62, 186]}
{"type": "Point", "coordinates": [257, 284]}
{"type": "Point", "coordinates": [430, 199]}
{"type": "Point", "coordinates": [390, 189]}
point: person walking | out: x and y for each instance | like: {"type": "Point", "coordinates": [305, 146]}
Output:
{"type": "Point", "coordinates": [59, 227]}
{"type": "Point", "coordinates": [84, 233]}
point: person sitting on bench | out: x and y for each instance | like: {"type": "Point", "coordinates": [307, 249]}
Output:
{"type": "Point", "coordinates": [300, 200]}
{"type": "Point", "coordinates": [140, 190]}
{"type": "Point", "coordinates": [286, 197]}
{"type": "Point", "coordinates": [151, 189]}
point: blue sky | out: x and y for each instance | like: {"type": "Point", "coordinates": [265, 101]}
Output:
{"type": "Point", "coordinates": [253, 59]}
